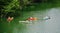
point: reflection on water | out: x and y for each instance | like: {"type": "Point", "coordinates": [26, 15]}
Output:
{"type": "Point", "coordinates": [42, 26]}
{"type": "Point", "coordinates": [52, 25]}
{"type": "Point", "coordinates": [45, 26]}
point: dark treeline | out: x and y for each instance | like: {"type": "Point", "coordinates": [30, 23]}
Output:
{"type": "Point", "coordinates": [15, 7]}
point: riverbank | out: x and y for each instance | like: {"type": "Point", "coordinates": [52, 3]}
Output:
{"type": "Point", "coordinates": [28, 12]}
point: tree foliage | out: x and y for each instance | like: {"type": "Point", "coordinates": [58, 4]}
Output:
{"type": "Point", "coordinates": [15, 7]}
{"type": "Point", "coordinates": [9, 8]}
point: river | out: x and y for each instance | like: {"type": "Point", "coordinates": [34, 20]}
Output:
{"type": "Point", "coordinates": [51, 25]}
{"type": "Point", "coordinates": [45, 26]}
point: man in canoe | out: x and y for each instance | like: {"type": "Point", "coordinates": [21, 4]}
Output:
{"type": "Point", "coordinates": [32, 19]}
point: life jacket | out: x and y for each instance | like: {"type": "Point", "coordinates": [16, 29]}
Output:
{"type": "Point", "coordinates": [9, 19]}
{"type": "Point", "coordinates": [32, 19]}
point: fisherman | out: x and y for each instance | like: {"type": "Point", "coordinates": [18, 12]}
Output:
{"type": "Point", "coordinates": [9, 19]}
{"type": "Point", "coordinates": [32, 18]}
